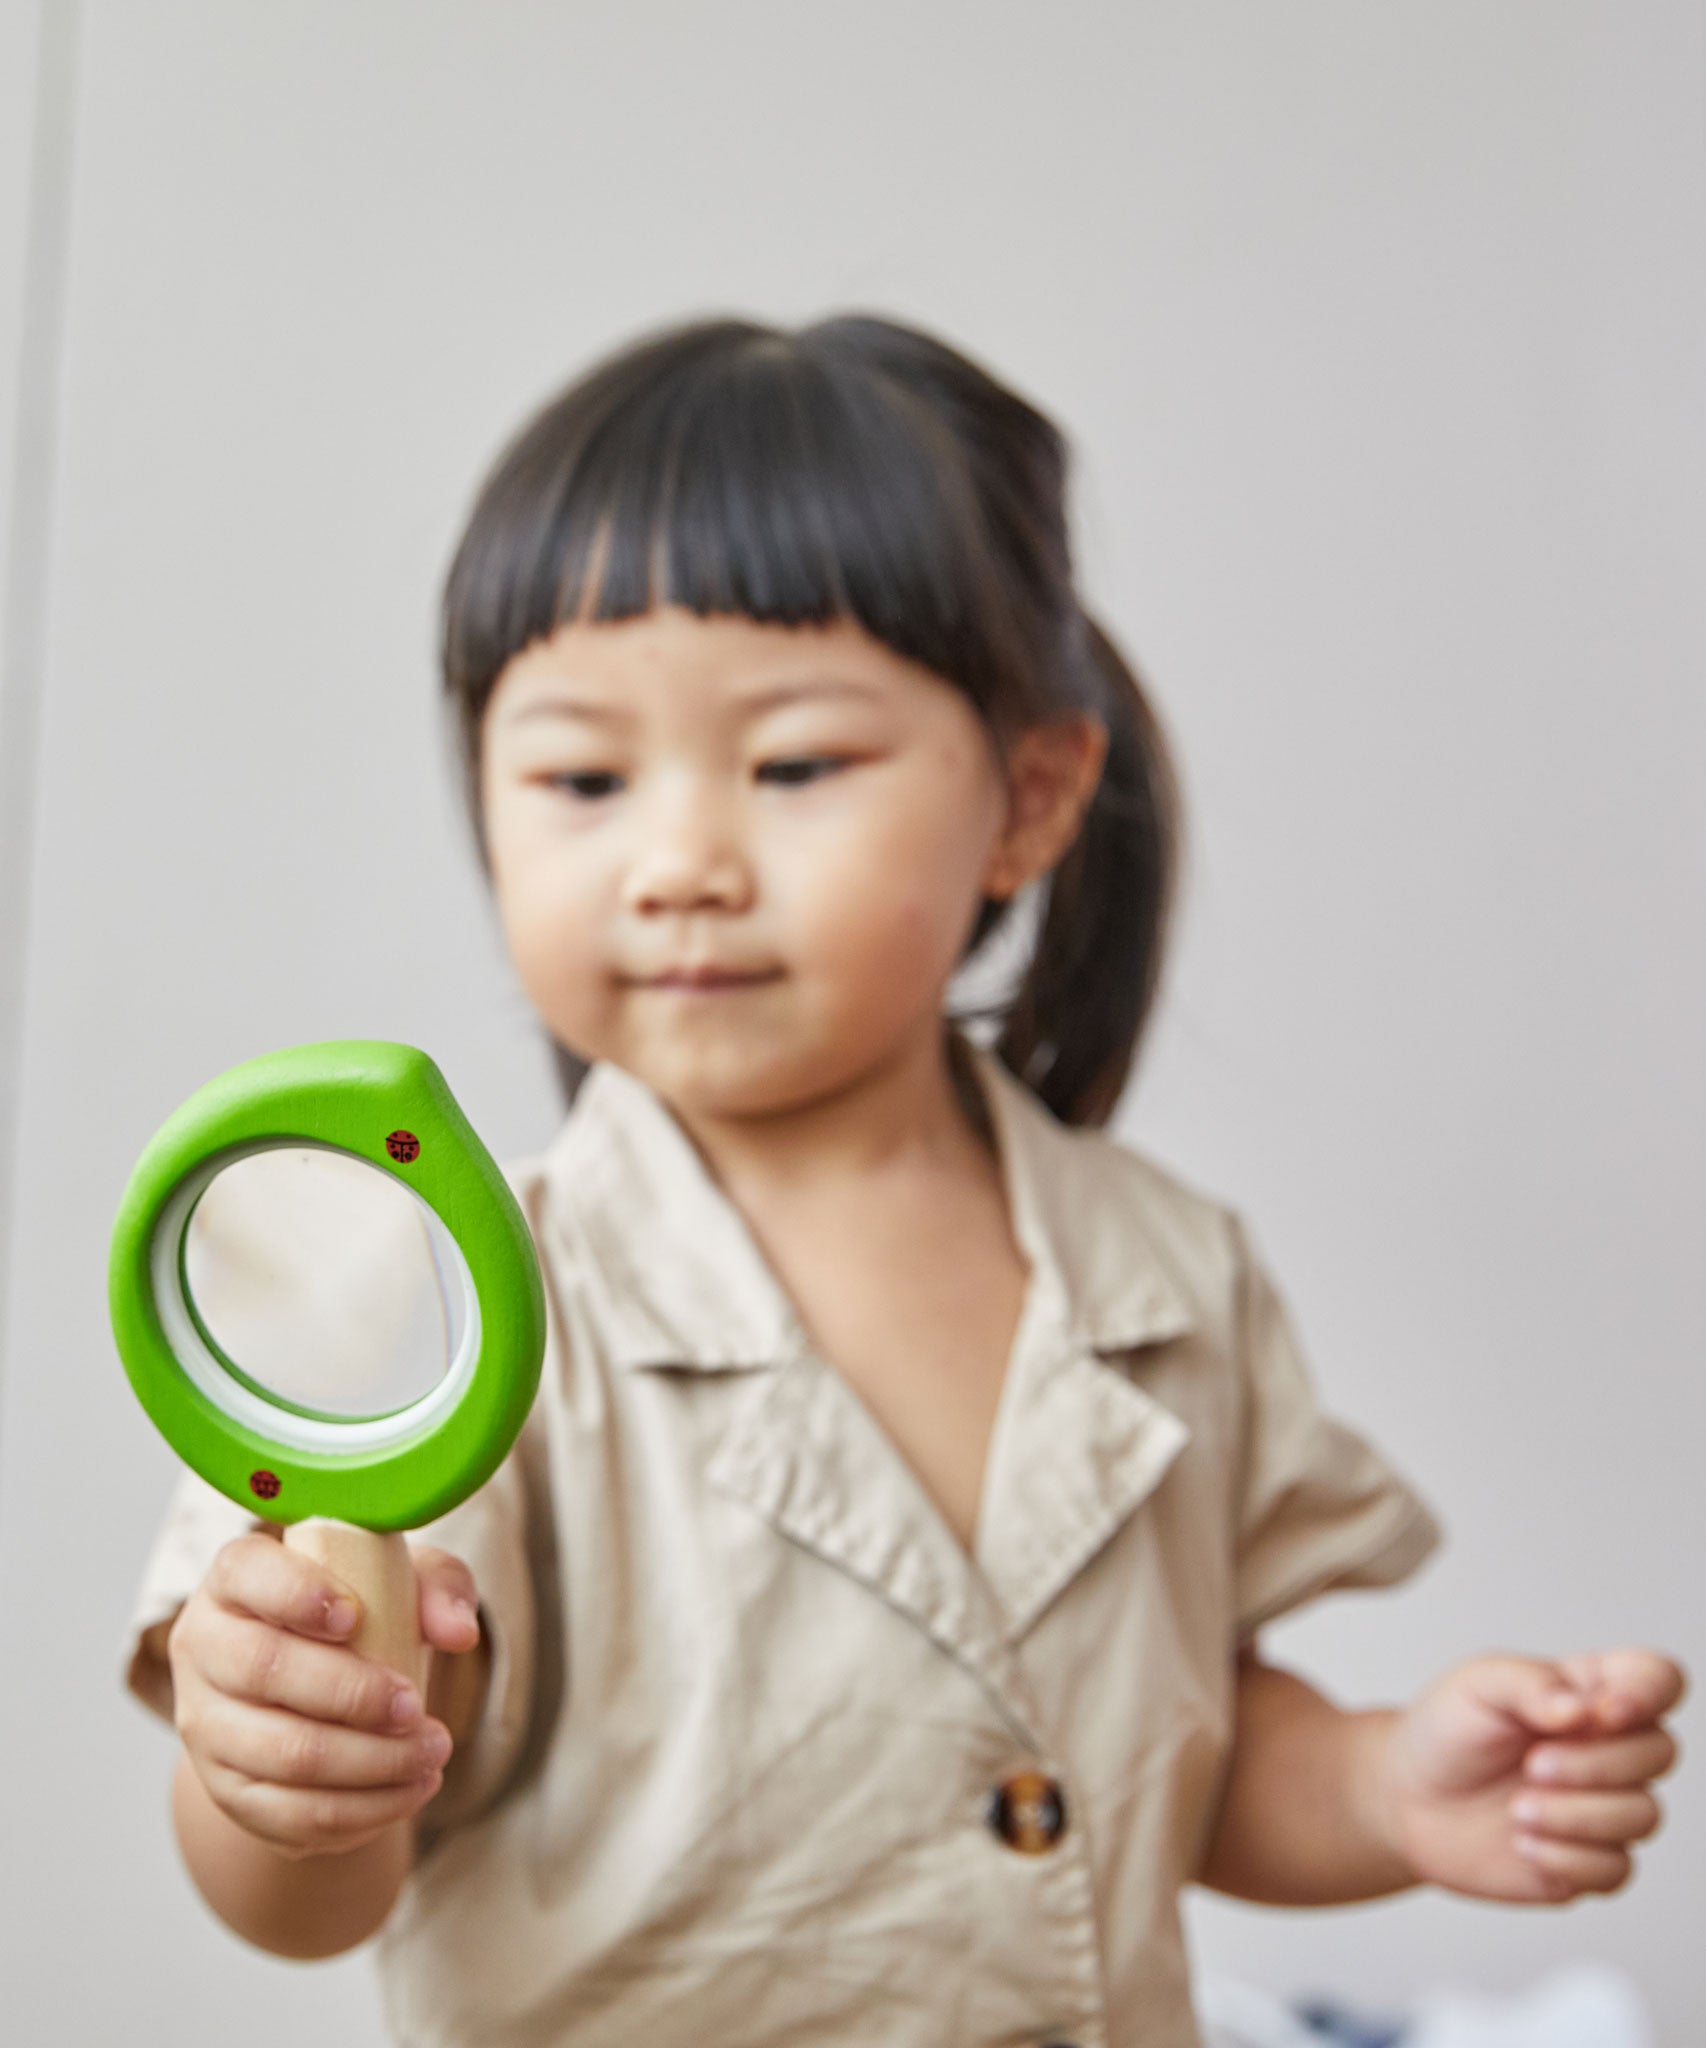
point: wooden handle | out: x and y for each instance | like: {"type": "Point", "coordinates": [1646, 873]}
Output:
{"type": "Point", "coordinates": [378, 1570]}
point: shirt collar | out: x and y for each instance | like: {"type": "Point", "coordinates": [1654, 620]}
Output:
{"type": "Point", "coordinates": [681, 1281]}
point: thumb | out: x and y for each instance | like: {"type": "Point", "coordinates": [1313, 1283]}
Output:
{"type": "Point", "coordinates": [449, 1599]}
{"type": "Point", "coordinates": [1534, 1692]}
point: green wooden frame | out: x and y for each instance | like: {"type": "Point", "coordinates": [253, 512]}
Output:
{"type": "Point", "coordinates": [389, 1106]}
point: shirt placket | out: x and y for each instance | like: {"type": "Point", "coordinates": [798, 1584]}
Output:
{"type": "Point", "coordinates": [1076, 1448]}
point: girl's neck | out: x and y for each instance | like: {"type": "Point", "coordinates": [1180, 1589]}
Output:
{"type": "Point", "coordinates": [919, 1114]}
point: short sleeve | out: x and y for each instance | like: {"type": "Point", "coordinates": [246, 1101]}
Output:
{"type": "Point", "coordinates": [1318, 1507]}
{"type": "Point", "coordinates": [487, 1531]}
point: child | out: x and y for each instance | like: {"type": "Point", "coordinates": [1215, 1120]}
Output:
{"type": "Point", "coordinates": [860, 1644]}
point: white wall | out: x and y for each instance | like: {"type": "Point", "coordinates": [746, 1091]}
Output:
{"type": "Point", "coordinates": [1380, 331]}
{"type": "Point", "coordinates": [36, 55]}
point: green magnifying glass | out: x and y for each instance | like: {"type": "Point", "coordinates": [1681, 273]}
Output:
{"type": "Point", "coordinates": [327, 1299]}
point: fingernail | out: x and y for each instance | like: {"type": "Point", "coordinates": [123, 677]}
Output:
{"type": "Point", "coordinates": [1526, 1808]}
{"type": "Point", "coordinates": [405, 1705]}
{"type": "Point", "coordinates": [1546, 1764]}
{"type": "Point", "coordinates": [340, 1616]}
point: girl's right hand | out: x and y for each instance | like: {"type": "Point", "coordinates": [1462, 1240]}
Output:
{"type": "Point", "coordinates": [301, 1742]}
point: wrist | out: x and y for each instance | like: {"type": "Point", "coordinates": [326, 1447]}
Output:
{"type": "Point", "coordinates": [1375, 1794]}
{"type": "Point", "coordinates": [304, 1907]}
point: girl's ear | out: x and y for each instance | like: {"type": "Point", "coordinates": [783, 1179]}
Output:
{"type": "Point", "coordinates": [1052, 772]}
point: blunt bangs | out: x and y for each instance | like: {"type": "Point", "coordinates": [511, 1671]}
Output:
{"type": "Point", "coordinates": [750, 474]}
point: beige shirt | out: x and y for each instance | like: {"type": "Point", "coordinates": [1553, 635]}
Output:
{"type": "Point", "coordinates": [767, 1759]}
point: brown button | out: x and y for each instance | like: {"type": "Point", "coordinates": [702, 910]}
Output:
{"type": "Point", "coordinates": [1028, 1812]}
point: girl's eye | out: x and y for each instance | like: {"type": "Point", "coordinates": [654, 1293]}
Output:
{"type": "Point", "coordinates": [783, 771]}
{"type": "Point", "coordinates": [577, 784]}
{"type": "Point", "coordinates": [588, 784]}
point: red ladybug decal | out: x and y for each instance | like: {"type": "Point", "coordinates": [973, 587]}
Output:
{"type": "Point", "coordinates": [267, 1485]}
{"type": "Point", "coordinates": [404, 1146]}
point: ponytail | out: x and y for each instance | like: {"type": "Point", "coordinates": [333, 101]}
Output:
{"type": "Point", "coordinates": [1073, 1028]}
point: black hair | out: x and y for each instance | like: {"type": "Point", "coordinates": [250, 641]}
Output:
{"type": "Point", "coordinates": [853, 467]}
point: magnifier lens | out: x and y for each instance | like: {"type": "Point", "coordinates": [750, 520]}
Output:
{"type": "Point", "coordinates": [324, 1284]}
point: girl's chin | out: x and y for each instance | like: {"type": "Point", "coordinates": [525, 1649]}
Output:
{"type": "Point", "coordinates": [735, 1078]}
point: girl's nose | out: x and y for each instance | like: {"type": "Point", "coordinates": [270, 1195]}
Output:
{"type": "Point", "coordinates": [688, 858]}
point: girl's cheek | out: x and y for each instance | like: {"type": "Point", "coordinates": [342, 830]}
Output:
{"type": "Point", "coordinates": [895, 933]}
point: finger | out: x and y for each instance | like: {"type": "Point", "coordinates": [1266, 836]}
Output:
{"type": "Point", "coordinates": [1639, 1686]}
{"type": "Point", "coordinates": [1572, 1867]}
{"type": "Point", "coordinates": [1630, 1687]}
{"type": "Point", "coordinates": [250, 1660]}
{"type": "Point", "coordinates": [1612, 1817]}
{"type": "Point", "coordinates": [271, 1745]}
{"type": "Point", "coordinates": [283, 1586]}
{"type": "Point", "coordinates": [307, 1822]}
{"type": "Point", "coordinates": [449, 1599]}
{"type": "Point", "coordinates": [1618, 1760]}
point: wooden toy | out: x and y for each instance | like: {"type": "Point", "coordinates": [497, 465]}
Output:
{"type": "Point", "coordinates": [327, 1299]}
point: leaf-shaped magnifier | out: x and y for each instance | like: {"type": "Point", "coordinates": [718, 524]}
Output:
{"type": "Point", "coordinates": [327, 1298]}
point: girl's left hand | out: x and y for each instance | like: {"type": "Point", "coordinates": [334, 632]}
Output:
{"type": "Point", "coordinates": [1525, 1779]}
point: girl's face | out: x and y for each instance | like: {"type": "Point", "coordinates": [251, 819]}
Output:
{"type": "Point", "coordinates": [797, 812]}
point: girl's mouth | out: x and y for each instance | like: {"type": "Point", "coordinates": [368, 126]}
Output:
{"type": "Point", "coordinates": [705, 980]}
